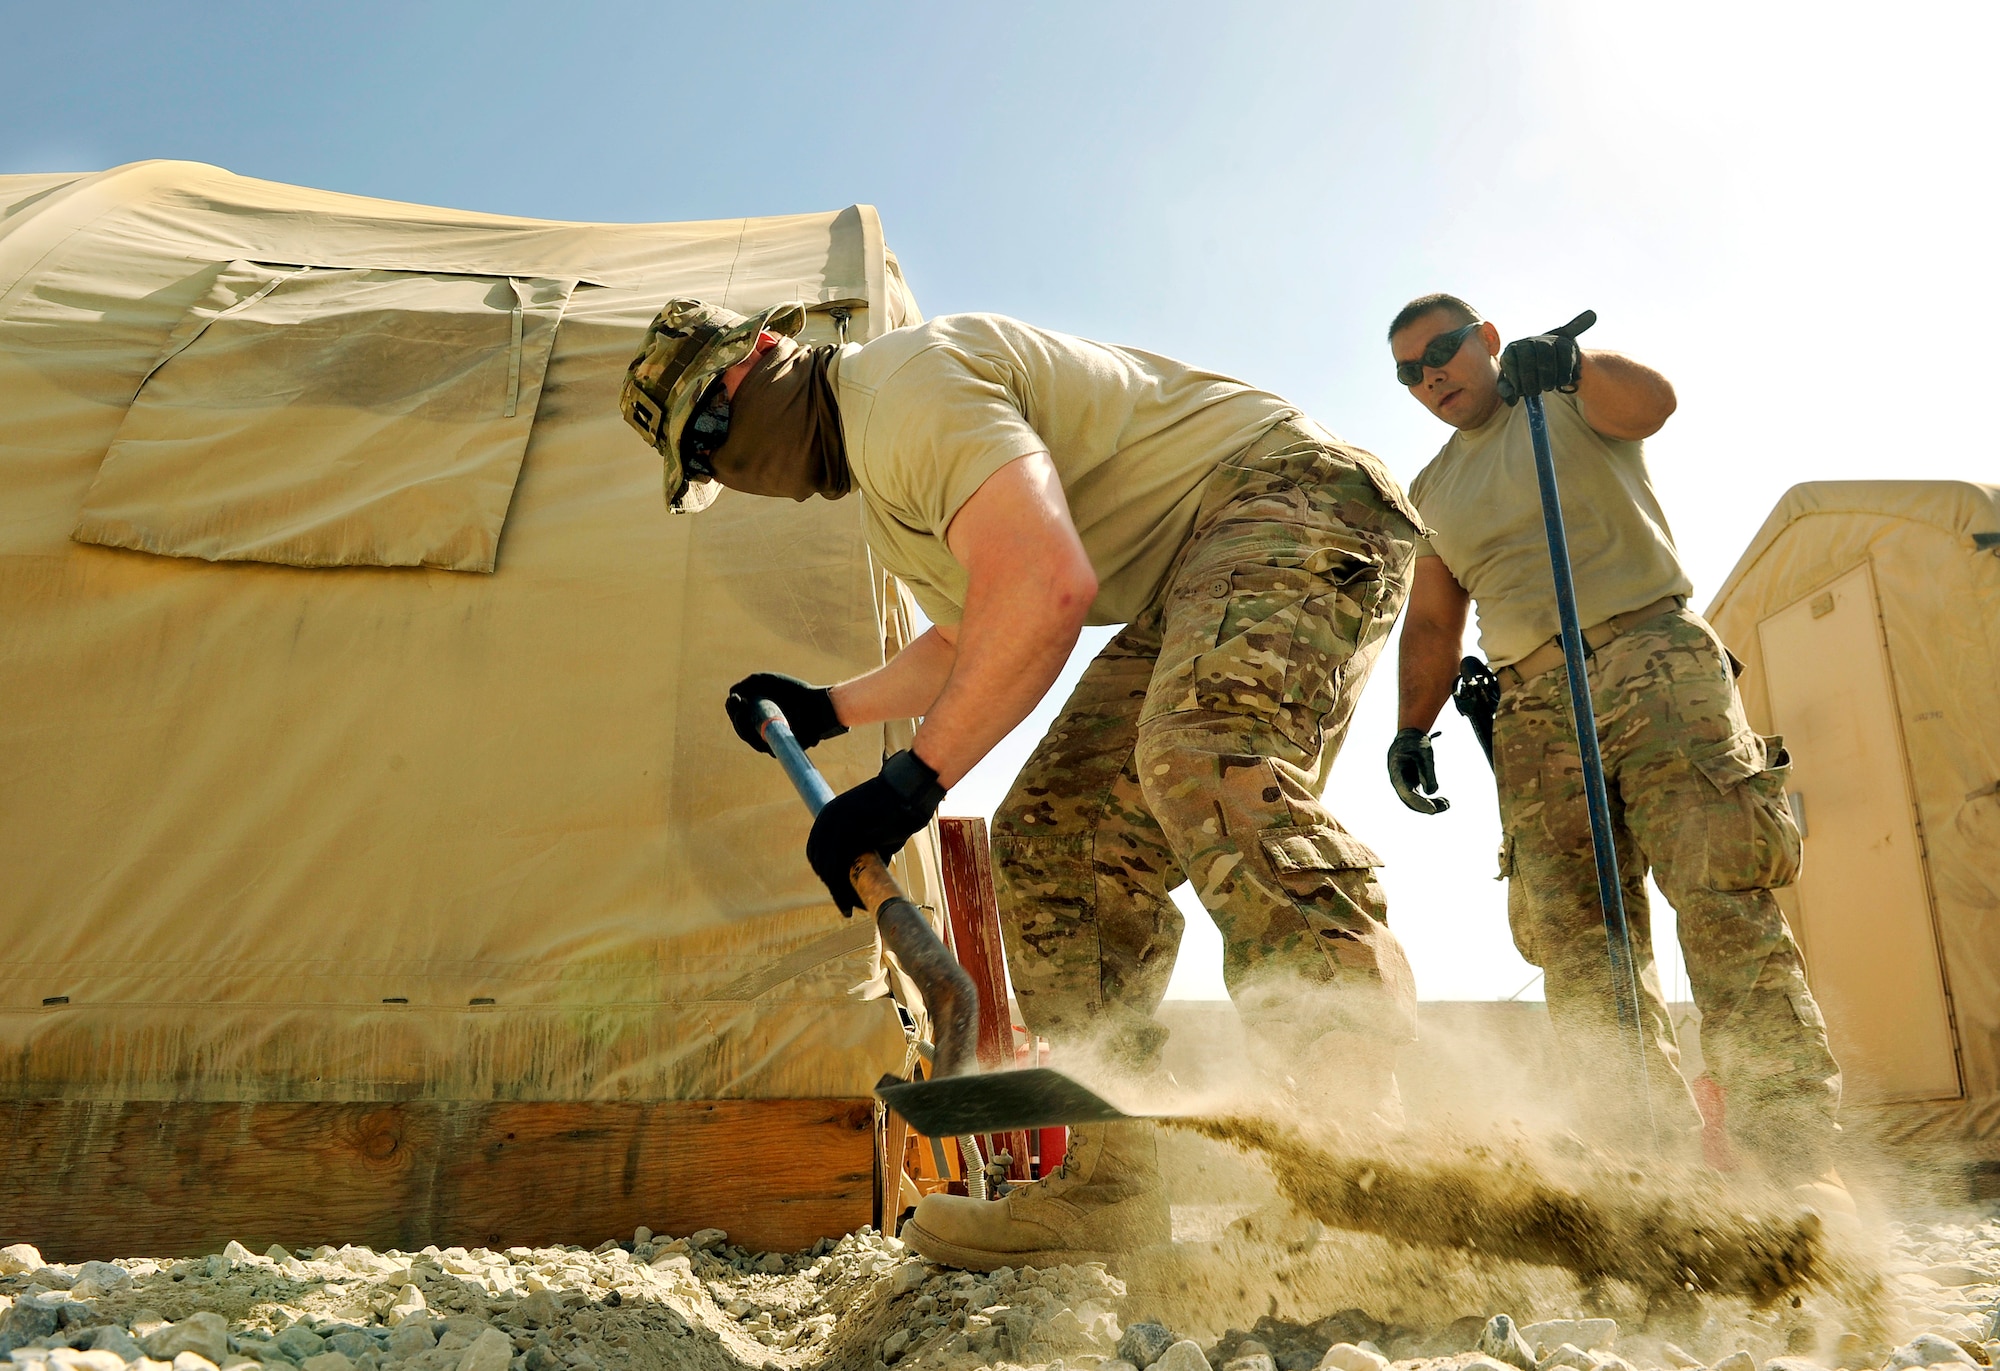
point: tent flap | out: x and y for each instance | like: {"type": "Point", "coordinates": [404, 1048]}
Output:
{"type": "Point", "coordinates": [332, 417]}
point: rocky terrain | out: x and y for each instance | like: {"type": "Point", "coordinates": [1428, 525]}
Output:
{"type": "Point", "coordinates": [865, 1303]}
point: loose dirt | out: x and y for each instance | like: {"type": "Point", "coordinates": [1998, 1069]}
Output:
{"type": "Point", "coordinates": [1669, 1231]}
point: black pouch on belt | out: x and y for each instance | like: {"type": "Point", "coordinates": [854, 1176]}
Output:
{"type": "Point", "coordinates": [1477, 696]}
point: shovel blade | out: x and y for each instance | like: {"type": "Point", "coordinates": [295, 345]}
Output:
{"type": "Point", "coordinates": [1035, 1097]}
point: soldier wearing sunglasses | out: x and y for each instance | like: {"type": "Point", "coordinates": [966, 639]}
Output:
{"type": "Point", "coordinates": [1697, 797]}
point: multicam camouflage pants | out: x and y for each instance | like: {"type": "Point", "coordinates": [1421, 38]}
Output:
{"type": "Point", "coordinates": [1191, 749]}
{"type": "Point", "coordinates": [1698, 798]}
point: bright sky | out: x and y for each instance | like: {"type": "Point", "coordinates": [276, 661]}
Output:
{"type": "Point", "coordinates": [1788, 209]}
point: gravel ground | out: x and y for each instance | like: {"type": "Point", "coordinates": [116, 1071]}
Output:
{"type": "Point", "coordinates": [865, 1303]}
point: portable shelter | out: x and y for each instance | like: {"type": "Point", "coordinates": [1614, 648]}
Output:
{"type": "Point", "coordinates": [1867, 614]}
{"type": "Point", "coordinates": [375, 850]}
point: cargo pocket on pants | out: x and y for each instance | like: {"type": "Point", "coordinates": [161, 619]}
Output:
{"type": "Point", "coordinates": [1330, 876]}
{"type": "Point", "coordinates": [1267, 641]}
{"type": "Point", "coordinates": [1752, 838]}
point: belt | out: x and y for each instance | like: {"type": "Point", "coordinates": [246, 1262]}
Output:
{"type": "Point", "coordinates": [1549, 655]}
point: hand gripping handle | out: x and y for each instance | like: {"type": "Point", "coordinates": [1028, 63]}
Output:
{"type": "Point", "coordinates": [948, 993]}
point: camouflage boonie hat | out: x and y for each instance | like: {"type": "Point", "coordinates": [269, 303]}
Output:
{"type": "Point", "coordinates": [688, 345]}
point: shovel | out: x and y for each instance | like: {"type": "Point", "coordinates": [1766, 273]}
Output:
{"type": "Point", "coordinates": [955, 1101]}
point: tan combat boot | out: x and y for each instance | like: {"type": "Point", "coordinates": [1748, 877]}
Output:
{"type": "Point", "coordinates": [1105, 1198]}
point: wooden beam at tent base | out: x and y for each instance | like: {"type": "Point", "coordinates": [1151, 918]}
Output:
{"type": "Point", "coordinates": [86, 1179]}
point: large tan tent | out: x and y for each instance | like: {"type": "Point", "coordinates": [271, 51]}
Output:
{"type": "Point", "coordinates": [1868, 616]}
{"type": "Point", "coordinates": [362, 741]}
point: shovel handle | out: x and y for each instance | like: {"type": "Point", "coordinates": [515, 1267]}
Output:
{"type": "Point", "coordinates": [948, 994]}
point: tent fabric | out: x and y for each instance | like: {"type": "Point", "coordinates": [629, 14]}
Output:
{"type": "Point", "coordinates": [319, 416]}
{"type": "Point", "coordinates": [367, 832]}
{"type": "Point", "coordinates": [1937, 584]}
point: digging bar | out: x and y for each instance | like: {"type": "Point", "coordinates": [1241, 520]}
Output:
{"type": "Point", "coordinates": [1610, 889]}
{"type": "Point", "coordinates": [955, 1101]}
{"type": "Point", "coordinates": [948, 994]}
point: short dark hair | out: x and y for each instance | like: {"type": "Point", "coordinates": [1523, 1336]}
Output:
{"type": "Point", "coordinates": [1426, 304]}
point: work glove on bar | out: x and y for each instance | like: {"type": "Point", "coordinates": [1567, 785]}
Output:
{"type": "Point", "coordinates": [808, 709]}
{"type": "Point", "coordinates": [879, 816]}
{"type": "Point", "coordinates": [1545, 362]}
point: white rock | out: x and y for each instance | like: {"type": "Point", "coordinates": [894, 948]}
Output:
{"type": "Point", "coordinates": [193, 1361]}
{"type": "Point", "coordinates": [1567, 1354]}
{"type": "Point", "coordinates": [1256, 1361]}
{"type": "Point", "coordinates": [1549, 1334]}
{"type": "Point", "coordinates": [99, 1278]}
{"type": "Point", "coordinates": [1928, 1350]}
{"type": "Point", "coordinates": [277, 1252]}
{"type": "Point", "coordinates": [236, 1252]}
{"type": "Point", "coordinates": [490, 1351]}
{"type": "Point", "coordinates": [205, 1334]}
{"type": "Point", "coordinates": [1956, 1273]}
{"type": "Point", "coordinates": [19, 1258]}
{"type": "Point", "coordinates": [408, 1304]}
{"type": "Point", "coordinates": [1345, 1356]}
{"type": "Point", "coordinates": [1682, 1361]}
{"type": "Point", "coordinates": [1184, 1355]}
{"type": "Point", "coordinates": [1737, 1361]}
{"type": "Point", "coordinates": [93, 1360]}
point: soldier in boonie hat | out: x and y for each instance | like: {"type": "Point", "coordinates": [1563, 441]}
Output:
{"type": "Point", "coordinates": [1021, 482]}
{"type": "Point", "coordinates": [672, 393]}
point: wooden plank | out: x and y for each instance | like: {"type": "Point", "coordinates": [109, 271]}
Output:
{"type": "Point", "coordinates": [974, 911]}
{"type": "Point", "coordinates": [889, 1171]}
{"type": "Point", "coordinates": [91, 1178]}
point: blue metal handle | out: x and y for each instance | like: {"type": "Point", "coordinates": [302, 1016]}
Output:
{"type": "Point", "coordinates": [777, 735]}
{"type": "Point", "coordinates": [1610, 888]}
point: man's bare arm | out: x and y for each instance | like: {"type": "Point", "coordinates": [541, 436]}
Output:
{"type": "Point", "coordinates": [1433, 632]}
{"type": "Point", "coordinates": [1621, 398]}
{"type": "Point", "coordinates": [1029, 589]}
{"type": "Point", "coordinates": [904, 687]}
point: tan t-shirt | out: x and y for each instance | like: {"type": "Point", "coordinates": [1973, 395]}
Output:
{"type": "Point", "coordinates": [1479, 496]}
{"type": "Point", "coordinates": [930, 412]}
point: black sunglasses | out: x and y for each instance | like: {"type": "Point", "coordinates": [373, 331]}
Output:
{"type": "Point", "coordinates": [1437, 352]}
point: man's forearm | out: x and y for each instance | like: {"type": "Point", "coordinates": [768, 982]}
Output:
{"type": "Point", "coordinates": [904, 687]}
{"type": "Point", "coordinates": [1013, 643]}
{"type": "Point", "coordinates": [1433, 631]}
{"type": "Point", "coordinates": [1426, 669]}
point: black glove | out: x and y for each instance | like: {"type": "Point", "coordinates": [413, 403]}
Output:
{"type": "Point", "coordinates": [878, 816]}
{"type": "Point", "coordinates": [1547, 361]}
{"type": "Point", "coordinates": [808, 708]}
{"type": "Point", "coordinates": [1412, 768]}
